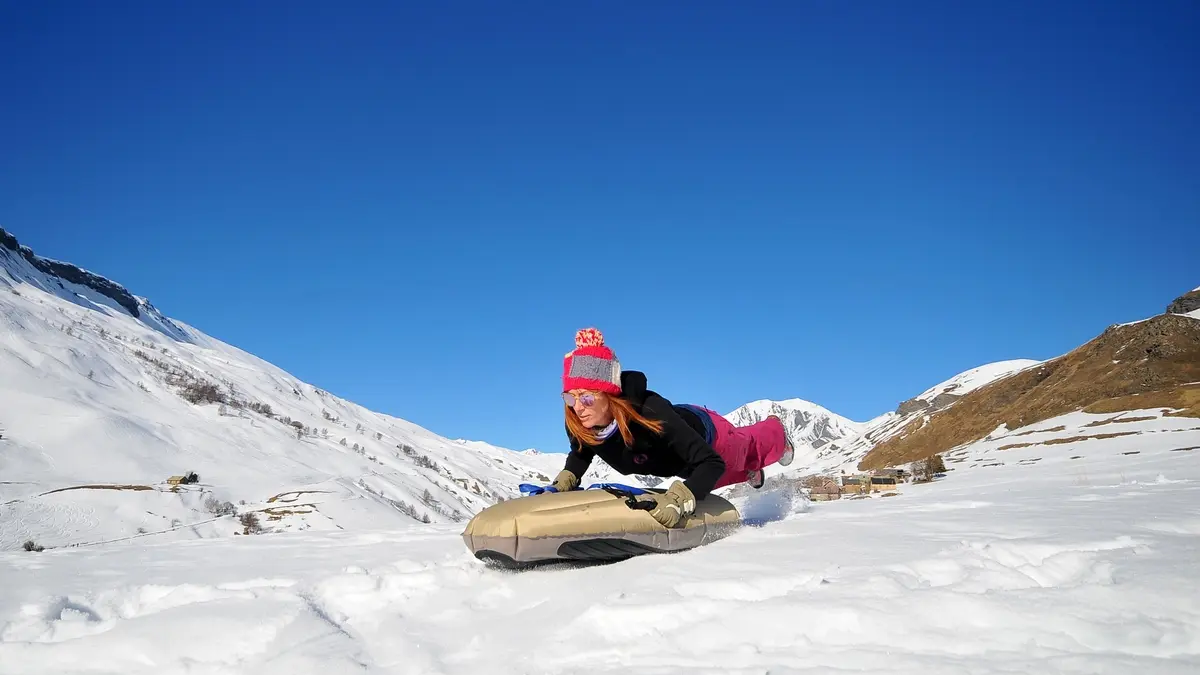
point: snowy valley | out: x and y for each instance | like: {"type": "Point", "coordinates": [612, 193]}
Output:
{"type": "Point", "coordinates": [103, 400]}
{"type": "Point", "coordinates": [321, 537]}
{"type": "Point", "coordinates": [1075, 557]}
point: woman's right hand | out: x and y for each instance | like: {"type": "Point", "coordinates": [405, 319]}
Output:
{"type": "Point", "coordinates": [565, 481]}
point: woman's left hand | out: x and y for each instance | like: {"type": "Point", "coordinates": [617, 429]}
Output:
{"type": "Point", "coordinates": [672, 507]}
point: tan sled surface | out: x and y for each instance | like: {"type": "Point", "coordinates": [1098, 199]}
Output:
{"type": "Point", "coordinates": [534, 528]}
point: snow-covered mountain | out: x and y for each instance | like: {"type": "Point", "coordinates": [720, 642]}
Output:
{"type": "Point", "coordinates": [1153, 363]}
{"type": "Point", "coordinates": [103, 398]}
{"type": "Point", "coordinates": [809, 426]}
{"type": "Point", "coordinates": [1097, 376]}
{"type": "Point", "coordinates": [946, 393]}
{"type": "Point", "coordinates": [845, 453]}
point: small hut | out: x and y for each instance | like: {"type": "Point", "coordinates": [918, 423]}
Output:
{"type": "Point", "coordinates": [900, 475]}
{"type": "Point", "coordinates": [883, 483]}
{"type": "Point", "coordinates": [855, 484]}
{"type": "Point", "coordinates": [823, 488]}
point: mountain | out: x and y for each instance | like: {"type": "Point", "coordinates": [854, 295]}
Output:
{"type": "Point", "coordinates": [1150, 364]}
{"type": "Point", "coordinates": [78, 286]}
{"type": "Point", "coordinates": [809, 426]}
{"type": "Point", "coordinates": [1188, 304]}
{"type": "Point", "coordinates": [845, 452]}
{"type": "Point", "coordinates": [103, 398]}
{"type": "Point", "coordinates": [943, 395]}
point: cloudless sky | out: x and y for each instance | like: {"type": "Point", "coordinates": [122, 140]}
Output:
{"type": "Point", "coordinates": [415, 205]}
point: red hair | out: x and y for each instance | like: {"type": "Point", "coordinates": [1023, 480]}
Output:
{"type": "Point", "coordinates": [622, 411]}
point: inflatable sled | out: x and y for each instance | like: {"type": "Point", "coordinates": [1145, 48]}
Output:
{"type": "Point", "coordinates": [601, 523]}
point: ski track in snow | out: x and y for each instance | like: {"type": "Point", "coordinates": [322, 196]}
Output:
{"type": "Point", "coordinates": [1014, 568]}
{"type": "Point", "coordinates": [39, 521]}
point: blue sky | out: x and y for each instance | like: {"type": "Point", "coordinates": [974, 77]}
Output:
{"type": "Point", "coordinates": [415, 208]}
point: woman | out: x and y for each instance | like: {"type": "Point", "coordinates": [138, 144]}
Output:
{"type": "Point", "coordinates": [611, 414]}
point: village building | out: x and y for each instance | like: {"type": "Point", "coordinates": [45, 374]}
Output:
{"type": "Point", "coordinates": [823, 488]}
{"type": "Point", "coordinates": [901, 475]}
{"type": "Point", "coordinates": [883, 483]}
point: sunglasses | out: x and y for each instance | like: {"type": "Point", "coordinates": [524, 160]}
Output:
{"type": "Point", "coordinates": [587, 398]}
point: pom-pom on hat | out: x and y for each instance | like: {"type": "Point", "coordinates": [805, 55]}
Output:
{"type": "Point", "coordinates": [591, 365]}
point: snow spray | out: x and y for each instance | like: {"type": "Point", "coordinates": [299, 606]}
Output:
{"type": "Point", "coordinates": [772, 504]}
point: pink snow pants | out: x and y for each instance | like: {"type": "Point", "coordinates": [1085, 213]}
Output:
{"type": "Point", "coordinates": [746, 449]}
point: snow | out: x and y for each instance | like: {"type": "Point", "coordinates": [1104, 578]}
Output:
{"type": "Point", "coordinates": [809, 426]}
{"type": "Point", "coordinates": [1134, 323]}
{"type": "Point", "coordinates": [26, 276]}
{"type": "Point", "coordinates": [844, 454]}
{"type": "Point", "coordinates": [975, 378]}
{"type": "Point", "coordinates": [1020, 560]}
{"type": "Point", "coordinates": [1065, 547]}
{"type": "Point", "coordinates": [766, 407]}
{"type": "Point", "coordinates": [85, 403]}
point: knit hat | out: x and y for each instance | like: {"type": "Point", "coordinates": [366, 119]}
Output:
{"type": "Point", "coordinates": [591, 365]}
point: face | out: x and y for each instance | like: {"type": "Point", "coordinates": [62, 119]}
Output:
{"type": "Point", "coordinates": [592, 407]}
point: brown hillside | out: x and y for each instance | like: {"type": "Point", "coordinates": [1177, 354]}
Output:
{"type": "Point", "coordinates": [1143, 365]}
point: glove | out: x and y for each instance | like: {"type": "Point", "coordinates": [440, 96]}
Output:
{"type": "Point", "coordinates": [671, 508]}
{"type": "Point", "coordinates": [565, 481]}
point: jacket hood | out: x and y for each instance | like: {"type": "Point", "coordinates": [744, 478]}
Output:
{"type": "Point", "coordinates": [633, 386]}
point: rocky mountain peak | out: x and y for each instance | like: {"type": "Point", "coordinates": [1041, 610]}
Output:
{"type": "Point", "coordinates": [73, 274]}
{"type": "Point", "coordinates": [79, 286]}
{"type": "Point", "coordinates": [809, 426]}
{"type": "Point", "coordinates": [1186, 303]}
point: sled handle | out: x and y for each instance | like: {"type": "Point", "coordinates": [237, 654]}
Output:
{"type": "Point", "coordinates": [639, 505]}
{"type": "Point", "coordinates": [631, 500]}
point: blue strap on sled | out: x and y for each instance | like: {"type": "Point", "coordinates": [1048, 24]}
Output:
{"type": "Point", "coordinates": [627, 492]}
{"type": "Point", "coordinates": [531, 489]}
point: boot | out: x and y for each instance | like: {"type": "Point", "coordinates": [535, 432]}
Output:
{"type": "Point", "coordinates": [790, 453]}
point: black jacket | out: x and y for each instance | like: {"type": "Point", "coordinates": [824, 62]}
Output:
{"type": "Point", "coordinates": [680, 451]}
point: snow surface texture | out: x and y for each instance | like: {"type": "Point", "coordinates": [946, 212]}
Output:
{"type": "Point", "coordinates": [1073, 557]}
{"type": "Point", "coordinates": [809, 426]}
{"type": "Point", "coordinates": [92, 427]}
